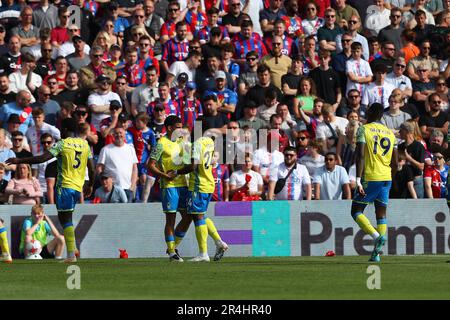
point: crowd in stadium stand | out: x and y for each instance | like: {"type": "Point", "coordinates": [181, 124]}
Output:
{"type": "Point", "coordinates": [306, 70]}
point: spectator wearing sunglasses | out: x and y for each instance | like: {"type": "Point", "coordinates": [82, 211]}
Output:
{"type": "Point", "coordinates": [398, 79]}
{"type": "Point", "coordinates": [394, 30]}
{"type": "Point", "coordinates": [60, 33]}
{"type": "Point", "coordinates": [353, 26]}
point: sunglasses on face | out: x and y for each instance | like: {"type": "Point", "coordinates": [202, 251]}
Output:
{"type": "Point", "coordinates": [329, 16]}
{"type": "Point", "coordinates": [81, 113]}
{"type": "Point", "coordinates": [97, 55]}
{"type": "Point", "coordinates": [46, 142]}
{"type": "Point", "coordinates": [18, 139]}
{"type": "Point", "coordinates": [302, 138]}
{"type": "Point", "coordinates": [173, 10]}
{"type": "Point", "coordinates": [353, 22]}
{"type": "Point", "coordinates": [251, 59]}
{"type": "Point", "coordinates": [329, 159]}
{"type": "Point", "coordinates": [52, 83]}
{"type": "Point", "coordinates": [400, 65]}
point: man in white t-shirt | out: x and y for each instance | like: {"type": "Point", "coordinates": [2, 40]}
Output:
{"type": "Point", "coordinates": [377, 17]}
{"type": "Point", "coordinates": [25, 78]}
{"type": "Point", "coordinates": [331, 182]}
{"type": "Point", "coordinates": [398, 79]}
{"type": "Point", "coordinates": [358, 70]}
{"type": "Point", "coordinates": [298, 183]}
{"type": "Point", "coordinates": [265, 158]}
{"type": "Point", "coordinates": [238, 181]}
{"type": "Point", "coordinates": [330, 129]}
{"type": "Point", "coordinates": [98, 102]}
{"type": "Point", "coordinates": [189, 66]}
{"type": "Point", "coordinates": [379, 90]}
{"type": "Point", "coordinates": [119, 160]}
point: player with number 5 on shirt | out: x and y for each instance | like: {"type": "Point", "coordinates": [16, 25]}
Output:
{"type": "Point", "coordinates": [73, 155]}
{"type": "Point", "coordinates": [376, 155]}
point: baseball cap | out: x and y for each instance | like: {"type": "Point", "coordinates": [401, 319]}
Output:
{"type": "Point", "coordinates": [183, 77]}
{"type": "Point", "coordinates": [220, 75]}
{"type": "Point", "coordinates": [191, 85]}
{"type": "Point", "coordinates": [115, 104]}
{"type": "Point", "coordinates": [105, 175]}
{"type": "Point", "coordinates": [251, 54]}
{"type": "Point", "coordinates": [14, 118]}
{"type": "Point", "coordinates": [77, 37]}
{"type": "Point", "coordinates": [407, 126]}
{"type": "Point", "coordinates": [123, 117]}
{"type": "Point", "coordinates": [102, 78]}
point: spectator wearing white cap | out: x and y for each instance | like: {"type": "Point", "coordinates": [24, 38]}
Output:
{"type": "Point", "coordinates": [226, 98]}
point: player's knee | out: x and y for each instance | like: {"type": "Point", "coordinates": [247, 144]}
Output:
{"type": "Point", "coordinates": [60, 239]}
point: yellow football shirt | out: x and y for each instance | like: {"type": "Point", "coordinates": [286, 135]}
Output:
{"type": "Point", "coordinates": [169, 157]}
{"type": "Point", "coordinates": [379, 144]}
{"type": "Point", "coordinates": [72, 155]}
{"type": "Point", "coordinates": [202, 179]}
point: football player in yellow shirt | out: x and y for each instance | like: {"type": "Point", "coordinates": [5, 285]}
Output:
{"type": "Point", "coordinates": [376, 159]}
{"type": "Point", "coordinates": [201, 188]}
{"type": "Point", "coordinates": [165, 159]}
{"type": "Point", "coordinates": [73, 155]}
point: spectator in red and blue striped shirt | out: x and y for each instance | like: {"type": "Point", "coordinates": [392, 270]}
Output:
{"type": "Point", "coordinates": [190, 106]}
{"type": "Point", "coordinates": [174, 15]}
{"type": "Point", "coordinates": [213, 17]}
{"type": "Point", "coordinates": [146, 58]}
{"type": "Point", "coordinates": [221, 176]}
{"type": "Point", "coordinates": [131, 70]}
{"type": "Point", "coordinates": [176, 49]}
{"type": "Point", "coordinates": [196, 19]}
{"type": "Point", "coordinates": [247, 43]}
{"type": "Point", "coordinates": [279, 29]}
{"type": "Point", "coordinates": [171, 106]}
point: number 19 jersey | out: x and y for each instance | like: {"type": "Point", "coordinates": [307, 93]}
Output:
{"type": "Point", "coordinates": [379, 144]}
{"type": "Point", "coordinates": [202, 179]}
{"type": "Point", "coordinates": [72, 155]}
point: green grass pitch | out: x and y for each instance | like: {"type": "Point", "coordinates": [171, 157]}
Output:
{"type": "Point", "coordinates": [402, 277]}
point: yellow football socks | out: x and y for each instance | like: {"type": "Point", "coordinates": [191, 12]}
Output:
{"type": "Point", "coordinates": [201, 233]}
{"type": "Point", "coordinates": [382, 226]}
{"type": "Point", "coordinates": [212, 231]}
{"type": "Point", "coordinates": [366, 226]}
{"type": "Point", "coordinates": [170, 241]}
{"type": "Point", "coordinates": [4, 241]}
{"type": "Point", "coordinates": [69, 236]}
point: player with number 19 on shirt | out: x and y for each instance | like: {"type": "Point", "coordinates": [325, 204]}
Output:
{"type": "Point", "coordinates": [376, 154]}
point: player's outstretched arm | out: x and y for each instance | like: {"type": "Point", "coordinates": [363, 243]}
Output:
{"type": "Point", "coordinates": [30, 160]}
